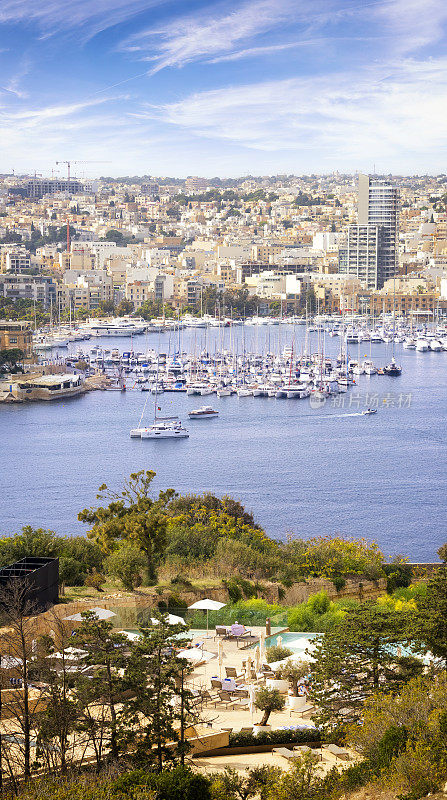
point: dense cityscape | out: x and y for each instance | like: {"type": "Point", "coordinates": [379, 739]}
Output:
{"type": "Point", "coordinates": [159, 246]}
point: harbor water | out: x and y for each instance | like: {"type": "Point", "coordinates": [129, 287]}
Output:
{"type": "Point", "coordinates": [301, 470]}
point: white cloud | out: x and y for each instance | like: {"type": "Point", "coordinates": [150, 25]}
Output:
{"type": "Point", "coordinates": [54, 15]}
{"type": "Point", "coordinates": [192, 38]}
{"type": "Point", "coordinates": [385, 111]}
{"type": "Point", "coordinates": [412, 24]}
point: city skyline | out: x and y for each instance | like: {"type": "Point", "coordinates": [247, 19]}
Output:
{"type": "Point", "coordinates": [222, 88]}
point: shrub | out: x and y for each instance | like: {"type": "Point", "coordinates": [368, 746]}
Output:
{"type": "Point", "coordinates": [127, 563]}
{"type": "Point", "coordinates": [277, 653]}
{"type": "Point", "coordinates": [96, 580]}
{"type": "Point", "coordinates": [339, 582]}
{"type": "Point", "coordinates": [179, 783]}
{"type": "Point", "coordinates": [398, 575]}
{"type": "Point", "coordinates": [297, 736]}
{"type": "Point", "coordinates": [319, 603]}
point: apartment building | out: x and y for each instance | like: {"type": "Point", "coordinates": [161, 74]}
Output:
{"type": "Point", "coordinates": [39, 288]}
{"type": "Point", "coordinates": [16, 335]}
{"type": "Point", "coordinates": [371, 253]}
{"type": "Point", "coordinates": [15, 260]}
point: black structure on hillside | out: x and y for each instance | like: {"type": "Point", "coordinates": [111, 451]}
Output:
{"type": "Point", "coordinates": [41, 576]}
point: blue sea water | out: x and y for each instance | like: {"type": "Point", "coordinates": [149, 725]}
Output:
{"type": "Point", "coordinates": [302, 471]}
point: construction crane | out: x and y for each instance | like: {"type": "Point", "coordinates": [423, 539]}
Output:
{"type": "Point", "coordinates": [69, 163]}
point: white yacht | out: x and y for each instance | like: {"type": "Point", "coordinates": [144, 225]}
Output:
{"type": "Point", "coordinates": [202, 413]}
{"type": "Point", "coordinates": [298, 391]}
{"type": "Point", "coordinates": [116, 327]}
{"type": "Point", "coordinates": [165, 428]}
{"type": "Point", "coordinates": [409, 344]}
{"type": "Point", "coordinates": [435, 345]}
{"type": "Point", "coordinates": [421, 345]}
{"type": "Point", "coordinates": [369, 368]}
{"type": "Point", "coordinates": [224, 391]}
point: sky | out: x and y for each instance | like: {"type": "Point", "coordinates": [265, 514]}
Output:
{"type": "Point", "coordinates": [259, 87]}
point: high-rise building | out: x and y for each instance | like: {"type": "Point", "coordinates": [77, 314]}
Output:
{"type": "Point", "coordinates": [371, 254]}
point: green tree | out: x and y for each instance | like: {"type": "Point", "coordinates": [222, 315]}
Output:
{"type": "Point", "coordinates": [29, 542]}
{"type": "Point", "coordinates": [10, 359]}
{"type": "Point", "coordinates": [106, 653]}
{"type": "Point", "coordinates": [433, 614]}
{"type": "Point", "coordinates": [257, 782]}
{"type": "Point", "coordinates": [133, 516]}
{"type": "Point", "coordinates": [162, 705]}
{"type": "Point", "coordinates": [124, 307]}
{"type": "Point", "coordinates": [355, 658]}
{"type": "Point", "coordinates": [302, 782]}
{"type": "Point", "coordinates": [127, 563]}
{"type": "Point", "coordinates": [268, 700]}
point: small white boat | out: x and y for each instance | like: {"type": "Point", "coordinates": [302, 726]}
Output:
{"type": "Point", "coordinates": [241, 392]}
{"type": "Point", "coordinates": [224, 392]}
{"type": "Point", "coordinates": [435, 345]}
{"type": "Point", "coordinates": [422, 345]}
{"type": "Point", "coordinates": [201, 413]}
{"type": "Point", "coordinates": [369, 411]}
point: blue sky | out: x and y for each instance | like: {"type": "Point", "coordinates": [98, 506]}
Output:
{"type": "Point", "coordinates": [223, 88]}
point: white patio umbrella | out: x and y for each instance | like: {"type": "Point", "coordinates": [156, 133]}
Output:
{"type": "Point", "coordinates": [100, 613]}
{"type": "Point", "coordinates": [194, 655]}
{"type": "Point", "coordinates": [251, 700]}
{"type": "Point", "coordinates": [257, 658]}
{"type": "Point", "coordinates": [131, 635]}
{"type": "Point", "coordinates": [207, 605]}
{"type": "Point", "coordinates": [248, 669]}
{"type": "Point", "coordinates": [172, 619]}
{"type": "Point", "coordinates": [220, 656]}
{"type": "Point", "coordinates": [279, 641]}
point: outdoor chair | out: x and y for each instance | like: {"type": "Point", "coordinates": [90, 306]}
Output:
{"type": "Point", "coordinates": [206, 697]}
{"type": "Point", "coordinates": [224, 699]}
{"type": "Point", "coordinates": [231, 672]}
{"type": "Point", "coordinates": [221, 630]}
{"type": "Point", "coordinates": [216, 683]}
{"type": "Point", "coordinates": [304, 749]}
{"type": "Point", "coordinates": [247, 729]}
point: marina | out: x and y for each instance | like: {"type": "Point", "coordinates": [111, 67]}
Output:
{"type": "Point", "coordinates": [311, 465]}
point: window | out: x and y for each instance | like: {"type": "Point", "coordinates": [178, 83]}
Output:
{"type": "Point", "coordinates": [13, 340]}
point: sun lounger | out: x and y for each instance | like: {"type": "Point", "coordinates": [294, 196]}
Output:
{"type": "Point", "coordinates": [231, 672]}
{"type": "Point", "coordinates": [224, 699]}
{"type": "Point", "coordinates": [338, 752]}
{"type": "Point", "coordinates": [247, 730]}
{"type": "Point", "coordinates": [221, 630]}
{"type": "Point", "coordinates": [284, 752]}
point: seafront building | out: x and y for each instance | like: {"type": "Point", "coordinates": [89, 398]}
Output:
{"type": "Point", "coordinates": [371, 253]}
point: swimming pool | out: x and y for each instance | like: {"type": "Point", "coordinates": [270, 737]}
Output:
{"type": "Point", "coordinates": [297, 642]}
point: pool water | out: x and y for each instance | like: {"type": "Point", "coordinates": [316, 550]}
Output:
{"type": "Point", "coordinates": [296, 642]}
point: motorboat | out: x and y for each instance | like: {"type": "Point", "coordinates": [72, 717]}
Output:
{"type": "Point", "coordinates": [422, 345]}
{"type": "Point", "coordinates": [435, 345]}
{"type": "Point", "coordinates": [224, 391]}
{"type": "Point", "coordinates": [392, 368]}
{"type": "Point", "coordinates": [202, 413]}
{"type": "Point", "coordinates": [369, 368]}
{"type": "Point", "coordinates": [369, 411]}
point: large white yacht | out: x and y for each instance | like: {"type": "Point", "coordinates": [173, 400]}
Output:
{"type": "Point", "coordinates": [124, 326]}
